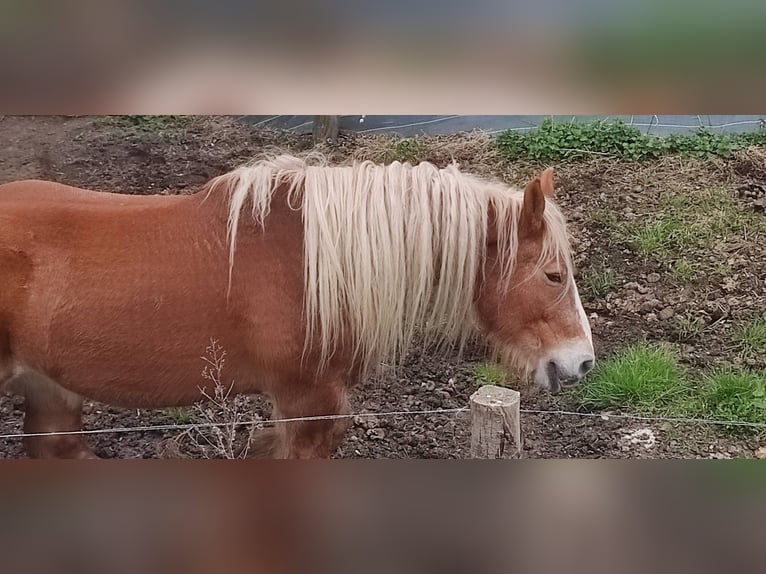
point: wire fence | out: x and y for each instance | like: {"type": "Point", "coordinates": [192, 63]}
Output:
{"type": "Point", "coordinates": [451, 411]}
{"type": "Point", "coordinates": [433, 125]}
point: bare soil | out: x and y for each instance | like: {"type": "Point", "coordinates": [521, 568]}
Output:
{"type": "Point", "coordinates": [645, 301]}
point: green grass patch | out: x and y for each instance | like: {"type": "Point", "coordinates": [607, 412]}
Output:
{"type": "Point", "coordinates": [649, 379]}
{"type": "Point", "coordinates": [751, 338]}
{"type": "Point", "coordinates": [645, 378]}
{"type": "Point", "coordinates": [490, 374]}
{"type": "Point", "coordinates": [572, 140]}
{"type": "Point", "coordinates": [733, 395]}
{"type": "Point", "coordinates": [683, 270]}
{"type": "Point", "coordinates": [598, 280]}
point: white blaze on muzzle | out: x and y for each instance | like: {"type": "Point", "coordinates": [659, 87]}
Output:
{"type": "Point", "coordinates": [571, 361]}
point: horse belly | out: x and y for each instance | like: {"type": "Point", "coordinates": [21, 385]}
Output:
{"type": "Point", "coordinates": [137, 335]}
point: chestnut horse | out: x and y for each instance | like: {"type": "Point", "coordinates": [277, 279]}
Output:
{"type": "Point", "coordinates": [309, 276]}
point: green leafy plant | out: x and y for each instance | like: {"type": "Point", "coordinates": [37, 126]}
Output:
{"type": "Point", "coordinates": [572, 140]}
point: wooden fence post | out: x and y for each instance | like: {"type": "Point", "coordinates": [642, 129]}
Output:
{"type": "Point", "coordinates": [495, 425]}
{"type": "Point", "coordinates": [325, 129]}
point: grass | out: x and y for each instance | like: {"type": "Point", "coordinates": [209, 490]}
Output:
{"type": "Point", "coordinates": [645, 378]}
{"type": "Point", "coordinates": [687, 227]}
{"type": "Point", "coordinates": [490, 374]}
{"type": "Point", "coordinates": [572, 140]}
{"type": "Point", "coordinates": [683, 270]}
{"type": "Point", "coordinates": [751, 338]}
{"type": "Point", "coordinates": [598, 281]}
{"type": "Point", "coordinates": [733, 395]}
{"type": "Point", "coordinates": [650, 380]}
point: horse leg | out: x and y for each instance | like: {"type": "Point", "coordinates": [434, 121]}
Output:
{"type": "Point", "coordinates": [49, 407]}
{"type": "Point", "coordinates": [312, 438]}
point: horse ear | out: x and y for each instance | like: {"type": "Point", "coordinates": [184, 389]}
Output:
{"type": "Point", "coordinates": [533, 207]}
{"type": "Point", "coordinates": [546, 182]}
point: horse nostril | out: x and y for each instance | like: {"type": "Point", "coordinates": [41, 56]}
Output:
{"type": "Point", "coordinates": [586, 367]}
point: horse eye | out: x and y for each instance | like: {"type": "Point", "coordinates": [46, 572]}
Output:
{"type": "Point", "coordinates": [555, 277]}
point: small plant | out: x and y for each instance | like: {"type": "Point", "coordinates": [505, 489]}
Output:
{"type": "Point", "coordinates": [490, 374]}
{"type": "Point", "coordinates": [689, 326]}
{"type": "Point", "coordinates": [599, 281]}
{"type": "Point", "coordinates": [682, 270]}
{"type": "Point", "coordinates": [751, 338]}
{"type": "Point", "coordinates": [646, 378]}
{"type": "Point", "coordinates": [224, 423]}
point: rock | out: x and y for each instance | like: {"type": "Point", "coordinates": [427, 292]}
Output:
{"type": "Point", "coordinates": [761, 453]}
{"type": "Point", "coordinates": [632, 285]}
{"type": "Point", "coordinates": [649, 305]}
{"type": "Point", "coordinates": [666, 313]}
{"type": "Point", "coordinates": [643, 289]}
{"type": "Point", "coordinates": [653, 277]}
{"type": "Point", "coordinates": [651, 318]}
{"type": "Point", "coordinates": [376, 434]}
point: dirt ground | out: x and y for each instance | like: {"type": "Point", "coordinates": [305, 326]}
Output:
{"type": "Point", "coordinates": [645, 300]}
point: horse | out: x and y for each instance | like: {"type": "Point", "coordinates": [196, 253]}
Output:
{"type": "Point", "coordinates": [309, 275]}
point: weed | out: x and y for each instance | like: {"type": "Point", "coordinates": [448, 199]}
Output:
{"type": "Point", "coordinates": [224, 422]}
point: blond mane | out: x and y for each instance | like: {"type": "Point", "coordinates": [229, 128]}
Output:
{"type": "Point", "coordinates": [389, 251]}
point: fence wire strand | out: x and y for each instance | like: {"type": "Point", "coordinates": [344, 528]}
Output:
{"type": "Point", "coordinates": [452, 411]}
